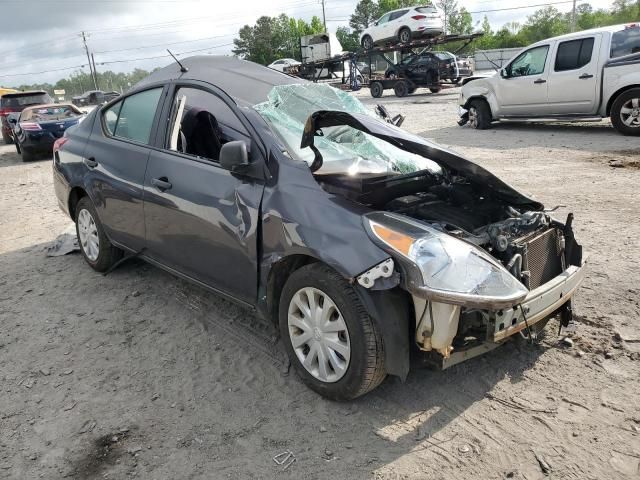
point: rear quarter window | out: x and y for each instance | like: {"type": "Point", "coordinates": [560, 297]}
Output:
{"type": "Point", "coordinates": [625, 42]}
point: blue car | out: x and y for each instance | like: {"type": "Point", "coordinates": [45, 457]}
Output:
{"type": "Point", "coordinates": [40, 126]}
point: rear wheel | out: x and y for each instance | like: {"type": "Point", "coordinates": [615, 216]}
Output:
{"type": "Point", "coordinates": [376, 89]}
{"type": "Point", "coordinates": [331, 340]}
{"type": "Point", "coordinates": [404, 35]}
{"type": "Point", "coordinates": [401, 88]}
{"type": "Point", "coordinates": [479, 115]}
{"type": "Point", "coordinates": [435, 90]}
{"type": "Point", "coordinates": [625, 112]}
{"type": "Point", "coordinates": [94, 244]}
{"type": "Point", "coordinates": [367, 42]}
{"type": "Point", "coordinates": [7, 138]}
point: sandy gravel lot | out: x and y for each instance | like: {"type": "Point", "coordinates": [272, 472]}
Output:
{"type": "Point", "coordinates": [138, 374]}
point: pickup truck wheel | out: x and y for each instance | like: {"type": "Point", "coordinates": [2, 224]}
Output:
{"type": "Point", "coordinates": [625, 112]}
{"type": "Point", "coordinates": [479, 115]}
{"type": "Point", "coordinates": [94, 244]}
{"type": "Point", "coordinates": [330, 339]}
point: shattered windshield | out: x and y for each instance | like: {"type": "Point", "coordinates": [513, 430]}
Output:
{"type": "Point", "coordinates": [344, 149]}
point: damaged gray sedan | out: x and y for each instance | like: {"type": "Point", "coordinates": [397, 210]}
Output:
{"type": "Point", "coordinates": [361, 241]}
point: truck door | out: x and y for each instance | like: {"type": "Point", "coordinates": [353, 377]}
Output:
{"type": "Point", "coordinates": [522, 88]}
{"type": "Point", "coordinates": [573, 81]}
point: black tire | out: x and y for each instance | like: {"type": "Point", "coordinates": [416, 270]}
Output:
{"type": "Point", "coordinates": [7, 139]}
{"type": "Point", "coordinates": [479, 115]}
{"type": "Point", "coordinates": [17, 145]}
{"type": "Point", "coordinates": [365, 370]}
{"type": "Point", "coordinates": [108, 255]}
{"type": "Point", "coordinates": [367, 42]}
{"type": "Point", "coordinates": [401, 88]}
{"type": "Point", "coordinates": [435, 90]}
{"type": "Point", "coordinates": [404, 35]}
{"type": "Point", "coordinates": [27, 156]}
{"type": "Point", "coordinates": [620, 112]}
{"type": "Point", "coordinates": [412, 90]}
{"type": "Point", "coordinates": [376, 89]}
{"type": "Point", "coordinates": [456, 81]}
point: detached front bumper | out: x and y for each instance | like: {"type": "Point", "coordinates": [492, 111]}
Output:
{"type": "Point", "coordinates": [539, 303]}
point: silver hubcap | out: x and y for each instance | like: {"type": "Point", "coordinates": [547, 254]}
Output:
{"type": "Point", "coordinates": [319, 335]}
{"type": "Point", "coordinates": [473, 117]}
{"type": "Point", "coordinates": [405, 36]}
{"type": "Point", "coordinates": [88, 232]}
{"type": "Point", "coordinates": [630, 113]}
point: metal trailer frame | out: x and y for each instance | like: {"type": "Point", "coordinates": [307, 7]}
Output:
{"type": "Point", "coordinates": [402, 86]}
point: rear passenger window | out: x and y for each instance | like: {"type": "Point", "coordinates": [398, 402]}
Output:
{"type": "Point", "coordinates": [574, 54]}
{"type": "Point", "coordinates": [132, 118]}
{"type": "Point", "coordinates": [625, 42]}
{"type": "Point", "coordinates": [396, 15]}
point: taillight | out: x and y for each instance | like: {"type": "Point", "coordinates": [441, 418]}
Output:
{"type": "Point", "coordinates": [4, 112]}
{"type": "Point", "coordinates": [57, 145]}
{"type": "Point", "coordinates": [419, 17]}
{"type": "Point", "coordinates": [30, 126]}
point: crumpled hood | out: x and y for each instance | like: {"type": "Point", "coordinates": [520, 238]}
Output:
{"type": "Point", "coordinates": [408, 142]}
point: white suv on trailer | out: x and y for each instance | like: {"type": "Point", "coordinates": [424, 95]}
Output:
{"type": "Point", "coordinates": [584, 76]}
{"type": "Point", "coordinates": [403, 25]}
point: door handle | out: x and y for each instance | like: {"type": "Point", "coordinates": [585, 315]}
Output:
{"type": "Point", "coordinates": [161, 183]}
{"type": "Point", "coordinates": [584, 76]}
{"type": "Point", "coordinates": [90, 162]}
{"type": "Point", "coordinates": [540, 80]}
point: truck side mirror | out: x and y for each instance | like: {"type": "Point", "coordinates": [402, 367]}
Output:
{"type": "Point", "coordinates": [234, 156]}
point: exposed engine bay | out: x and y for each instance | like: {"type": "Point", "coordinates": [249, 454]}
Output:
{"type": "Point", "coordinates": [527, 242]}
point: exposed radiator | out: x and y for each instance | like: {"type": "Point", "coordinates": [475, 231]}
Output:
{"type": "Point", "coordinates": [542, 256]}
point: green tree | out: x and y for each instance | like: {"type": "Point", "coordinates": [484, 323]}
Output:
{"type": "Point", "coordinates": [349, 40]}
{"type": "Point", "coordinates": [461, 23]}
{"type": "Point", "coordinates": [365, 13]}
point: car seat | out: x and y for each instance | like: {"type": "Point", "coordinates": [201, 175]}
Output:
{"type": "Point", "coordinates": [201, 134]}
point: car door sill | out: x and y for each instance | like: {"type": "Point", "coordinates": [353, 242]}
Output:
{"type": "Point", "coordinates": [188, 278]}
{"type": "Point", "coordinates": [551, 118]}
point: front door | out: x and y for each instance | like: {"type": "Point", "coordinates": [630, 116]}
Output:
{"type": "Point", "coordinates": [573, 82]}
{"type": "Point", "coordinates": [201, 220]}
{"type": "Point", "coordinates": [523, 90]}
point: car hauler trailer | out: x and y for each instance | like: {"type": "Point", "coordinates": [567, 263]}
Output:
{"type": "Point", "coordinates": [348, 67]}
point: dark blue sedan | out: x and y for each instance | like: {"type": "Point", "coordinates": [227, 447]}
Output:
{"type": "Point", "coordinates": [40, 126]}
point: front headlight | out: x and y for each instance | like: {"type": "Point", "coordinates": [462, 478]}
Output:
{"type": "Point", "coordinates": [443, 268]}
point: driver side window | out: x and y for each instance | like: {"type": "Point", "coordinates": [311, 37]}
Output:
{"type": "Point", "coordinates": [531, 62]}
{"type": "Point", "coordinates": [201, 123]}
{"type": "Point", "coordinates": [384, 19]}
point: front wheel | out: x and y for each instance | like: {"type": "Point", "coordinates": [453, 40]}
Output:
{"type": "Point", "coordinates": [94, 244]}
{"type": "Point", "coordinates": [367, 42]}
{"type": "Point", "coordinates": [331, 340]}
{"type": "Point", "coordinates": [625, 112]}
{"type": "Point", "coordinates": [479, 115]}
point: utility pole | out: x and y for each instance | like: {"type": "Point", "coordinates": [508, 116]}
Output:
{"type": "Point", "coordinates": [573, 17]}
{"type": "Point", "coordinates": [95, 70]}
{"type": "Point", "coordinates": [86, 49]}
{"type": "Point", "coordinates": [324, 17]}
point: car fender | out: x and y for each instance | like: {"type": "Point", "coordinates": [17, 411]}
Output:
{"type": "Point", "coordinates": [480, 88]}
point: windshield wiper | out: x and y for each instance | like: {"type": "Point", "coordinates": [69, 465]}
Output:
{"type": "Point", "coordinates": [406, 176]}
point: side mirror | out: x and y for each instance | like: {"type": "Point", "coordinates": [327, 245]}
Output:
{"type": "Point", "coordinates": [13, 120]}
{"type": "Point", "coordinates": [234, 156]}
{"type": "Point", "coordinates": [506, 72]}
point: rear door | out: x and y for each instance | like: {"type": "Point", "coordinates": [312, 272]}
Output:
{"type": "Point", "coordinates": [523, 92]}
{"type": "Point", "coordinates": [397, 20]}
{"type": "Point", "coordinates": [116, 160]}
{"type": "Point", "coordinates": [573, 81]}
{"type": "Point", "coordinates": [201, 220]}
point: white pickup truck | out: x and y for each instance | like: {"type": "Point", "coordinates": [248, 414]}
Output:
{"type": "Point", "coordinates": [584, 76]}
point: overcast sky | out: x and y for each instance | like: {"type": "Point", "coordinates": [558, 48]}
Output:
{"type": "Point", "coordinates": [44, 35]}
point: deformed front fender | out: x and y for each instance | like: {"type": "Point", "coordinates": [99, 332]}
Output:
{"type": "Point", "coordinates": [480, 88]}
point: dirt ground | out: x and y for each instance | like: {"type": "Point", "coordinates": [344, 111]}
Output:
{"type": "Point", "coordinates": [138, 374]}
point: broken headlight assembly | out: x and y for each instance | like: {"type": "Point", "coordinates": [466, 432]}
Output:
{"type": "Point", "coordinates": [441, 268]}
